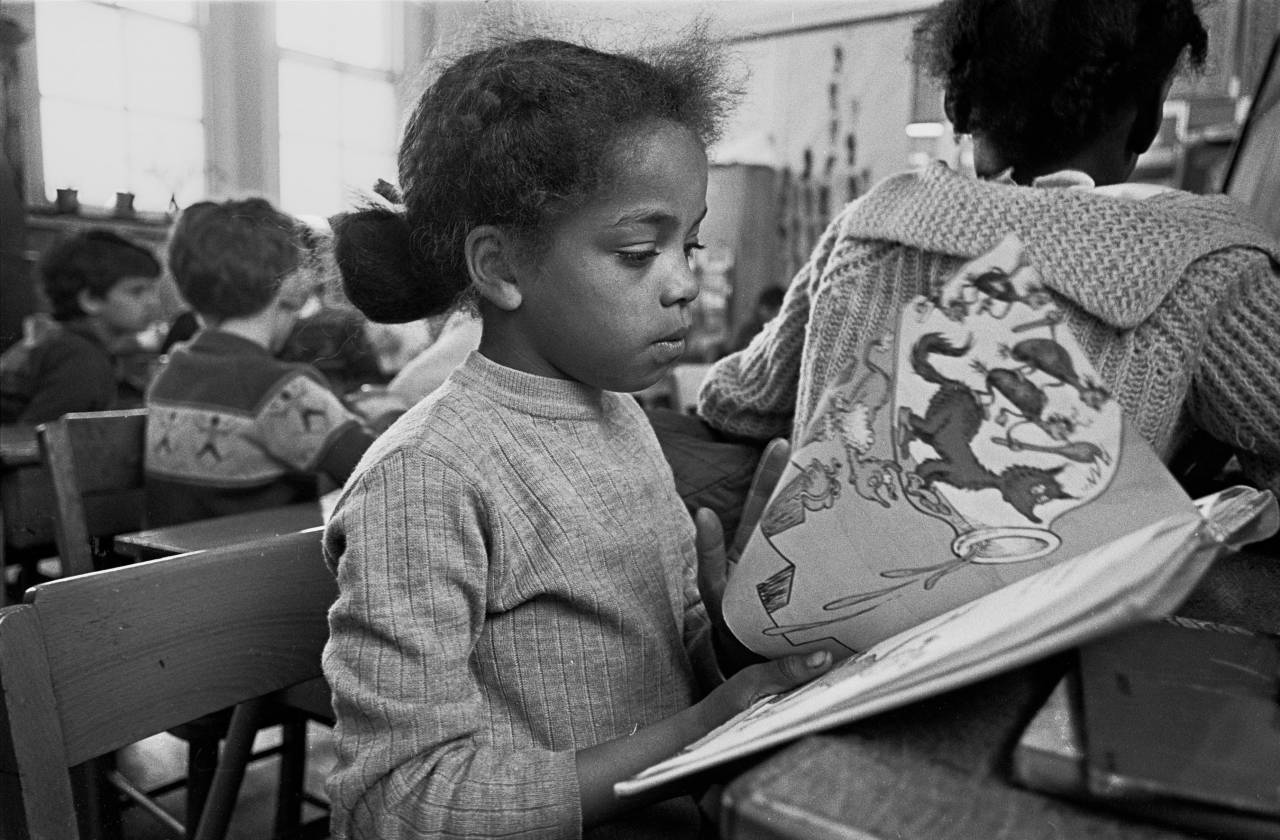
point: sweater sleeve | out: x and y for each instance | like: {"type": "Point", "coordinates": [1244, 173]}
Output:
{"type": "Point", "coordinates": [1235, 395]}
{"type": "Point", "coordinates": [305, 425]}
{"type": "Point", "coordinates": [72, 377]}
{"type": "Point", "coordinates": [752, 393]}
{"type": "Point", "coordinates": [414, 759]}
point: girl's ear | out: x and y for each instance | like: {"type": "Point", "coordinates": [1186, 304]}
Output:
{"type": "Point", "coordinates": [490, 255]}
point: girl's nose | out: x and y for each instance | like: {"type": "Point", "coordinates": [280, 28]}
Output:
{"type": "Point", "coordinates": [682, 284]}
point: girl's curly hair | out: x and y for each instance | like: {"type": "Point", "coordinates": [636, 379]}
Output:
{"type": "Point", "coordinates": [1039, 79]}
{"type": "Point", "coordinates": [514, 135]}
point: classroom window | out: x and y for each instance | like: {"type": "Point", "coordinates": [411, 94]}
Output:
{"type": "Point", "coordinates": [339, 125]}
{"type": "Point", "coordinates": [121, 105]}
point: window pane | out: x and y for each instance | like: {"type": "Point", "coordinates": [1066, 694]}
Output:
{"type": "Point", "coordinates": [368, 113]}
{"type": "Point", "coordinates": [306, 27]}
{"type": "Point", "coordinates": [309, 103]}
{"type": "Point", "coordinates": [166, 156]}
{"type": "Point", "coordinates": [179, 10]}
{"type": "Point", "coordinates": [364, 34]}
{"type": "Point", "coordinates": [163, 67]}
{"type": "Point", "coordinates": [309, 176]}
{"type": "Point", "coordinates": [78, 52]}
{"type": "Point", "coordinates": [83, 148]}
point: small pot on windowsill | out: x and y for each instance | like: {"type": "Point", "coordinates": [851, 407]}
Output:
{"type": "Point", "coordinates": [124, 206]}
{"type": "Point", "coordinates": [67, 201]}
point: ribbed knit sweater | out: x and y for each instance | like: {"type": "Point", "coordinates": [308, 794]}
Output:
{"type": "Point", "coordinates": [1175, 298]}
{"type": "Point", "coordinates": [517, 581]}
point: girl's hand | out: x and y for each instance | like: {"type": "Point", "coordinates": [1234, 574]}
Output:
{"type": "Point", "coordinates": [757, 681]}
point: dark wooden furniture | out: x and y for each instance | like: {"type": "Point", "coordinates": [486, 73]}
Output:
{"type": "Point", "coordinates": [220, 531]}
{"type": "Point", "coordinates": [95, 465]}
{"type": "Point", "coordinates": [939, 769]}
{"type": "Point", "coordinates": [26, 501]}
{"type": "Point", "coordinates": [94, 662]}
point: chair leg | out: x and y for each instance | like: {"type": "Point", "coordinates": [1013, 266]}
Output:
{"type": "Point", "coordinates": [293, 766]}
{"type": "Point", "coordinates": [202, 762]}
{"type": "Point", "coordinates": [245, 721]}
{"type": "Point", "coordinates": [97, 803]}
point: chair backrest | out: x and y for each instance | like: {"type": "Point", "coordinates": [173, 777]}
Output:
{"type": "Point", "coordinates": [95, 463]}
{"type": "Point", "coordinates": [91, 663]}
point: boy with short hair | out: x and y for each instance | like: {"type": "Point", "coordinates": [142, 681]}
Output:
{"type": "Point", "coordinates": [231, 428]}
{"type": "Point", "coordinates": [101, 290]}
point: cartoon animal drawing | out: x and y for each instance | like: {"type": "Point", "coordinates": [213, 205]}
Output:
{"type": "Point", "coordinates": [855, 405]}
{"type": "Point", "coordinates": [1050, 357]}
{"type": "Point", "coordinates": [816, 487]}
{"type": "Point", "coordinates": [952, 420]}
{"type": "Point", "coordinates": [993, 291]}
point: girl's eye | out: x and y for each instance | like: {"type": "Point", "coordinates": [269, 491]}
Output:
{"type": "Point", "coordinates": [637, 257]}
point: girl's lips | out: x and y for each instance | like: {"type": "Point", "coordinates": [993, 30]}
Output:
{"type": "Point", "coordinates": [669, 350]}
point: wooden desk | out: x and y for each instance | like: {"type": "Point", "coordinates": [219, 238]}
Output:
{"type": "Point", "coordinates": [154, 543]}
{"type": "Point", "coordinates": [939, 769]}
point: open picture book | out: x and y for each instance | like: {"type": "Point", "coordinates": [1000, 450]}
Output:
{"type": "Point", "coordinates": [967, 498]}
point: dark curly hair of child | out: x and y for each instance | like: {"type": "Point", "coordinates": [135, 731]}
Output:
{"type": "Point", "coordinates": [515, 135]}
{"type": "Point", "coordinates": [93, 261]}
{"type": "Point", "coordinates": [1039, 79]}
{"type": "Point", "coordinates": [229, 259]}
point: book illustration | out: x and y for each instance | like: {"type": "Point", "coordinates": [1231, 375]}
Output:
{"type": "Point", "coordinates": [958, 452]}
{"type": "Point", "coordinates": [1141, 574]}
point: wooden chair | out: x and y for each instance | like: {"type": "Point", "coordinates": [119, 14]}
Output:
{"type": "Point", "coordinates": [96, 466]}
{"type": "Point", "coordinates": [94, 662]}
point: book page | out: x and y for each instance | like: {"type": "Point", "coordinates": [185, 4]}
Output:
{"type": "Point", "coordinates": [970, 445]}
{"type": "Point", "coordinates": [1143, 574]}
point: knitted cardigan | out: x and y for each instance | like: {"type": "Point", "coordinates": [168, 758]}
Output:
{"type": "Point", "coordinates": [1175, 299]}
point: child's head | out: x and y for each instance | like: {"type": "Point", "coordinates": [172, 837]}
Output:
{"type": "Point", "coordinates": [235, 259]}
{"type": "Point", "coordinates": [1038, 81]}
{"type": "Point", "coordinates": [101, 275]}
{"type": "Point", "coordinates": [507, 165]}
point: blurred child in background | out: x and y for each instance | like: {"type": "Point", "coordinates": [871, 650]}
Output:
{"type": "Point", "coordinates": [230, 427]}
{"type": "Point", "coordinates": [101, 289]}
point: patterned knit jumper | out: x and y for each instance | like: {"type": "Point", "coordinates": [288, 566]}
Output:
{"type": "Point", "coordinates": [1175, 299]}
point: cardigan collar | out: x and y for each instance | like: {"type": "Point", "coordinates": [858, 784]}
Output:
{"type": "Point", "coordinates": [1080, 240]}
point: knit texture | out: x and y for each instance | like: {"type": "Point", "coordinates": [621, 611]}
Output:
{"type": "Point", "coordinates": [231, 429]}
{"type": "Point", "coordinates": [517, 581]}
{"type": "Point", "coordinates": [1174, 298]}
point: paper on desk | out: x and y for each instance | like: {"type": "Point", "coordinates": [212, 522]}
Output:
{"type": "Point", "coordinates": [970, 445]}
{"type": "Point", "coordinates": [1141, 575]}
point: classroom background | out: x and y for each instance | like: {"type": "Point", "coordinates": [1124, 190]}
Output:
{"type": "Point", "coordinates": [303, 103]}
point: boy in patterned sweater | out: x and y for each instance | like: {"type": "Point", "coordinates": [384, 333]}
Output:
{"type": "Point", "coordinates": [231, 428]}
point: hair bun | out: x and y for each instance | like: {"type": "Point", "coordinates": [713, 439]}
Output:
{"type": "Point", "coordinates": [374, 253]}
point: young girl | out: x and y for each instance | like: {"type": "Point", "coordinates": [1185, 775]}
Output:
{"type": "Point", "coordinates": [519, 623]}
{"type": "Point", "coordinates": [1174, 296]}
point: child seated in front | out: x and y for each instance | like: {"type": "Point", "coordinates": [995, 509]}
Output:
{"type": "Point", "coordinates": [230, 428]}
{"type": "Point", "coordinates": [101, 291]}
{"type": "Point", "coordinates": [521, 619]}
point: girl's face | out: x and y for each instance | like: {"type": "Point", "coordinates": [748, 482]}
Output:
{"type": "Point", "coordinates": [606, 303]}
